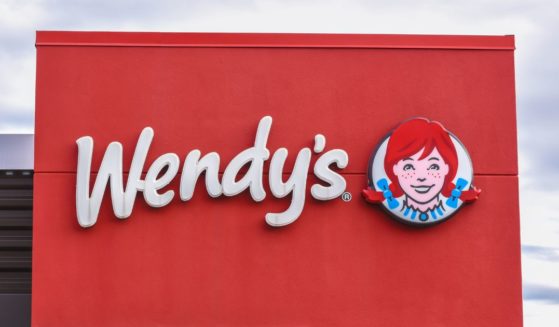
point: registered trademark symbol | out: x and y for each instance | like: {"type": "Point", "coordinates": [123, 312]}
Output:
{"type": "Point", "coordinates": [346, 196]}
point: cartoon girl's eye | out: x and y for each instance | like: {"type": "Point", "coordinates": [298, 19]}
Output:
{"type": "Point", "coordinates": [408, 167]}
{"type": "Point", "coordinates": [434, 167]}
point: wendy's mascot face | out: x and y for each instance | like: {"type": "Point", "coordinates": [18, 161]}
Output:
{"type": "Point", "coordinates": [422, 177]}
{"type": "Point", "coordinates": [421, 159]}
{"type": "Point", "coordinates": [421, 173]}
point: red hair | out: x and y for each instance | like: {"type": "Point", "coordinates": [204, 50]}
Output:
{"type": "Point", "coordinates": [413, 136]}
{"type": "Point", "coordinates": [408, 139]}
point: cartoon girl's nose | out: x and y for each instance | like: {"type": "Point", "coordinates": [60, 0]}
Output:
{"type": "Point", "coordinates": [421, 179]}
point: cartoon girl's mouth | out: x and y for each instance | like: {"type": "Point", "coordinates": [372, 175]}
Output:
{"type": "Point", "coordinates": [422, 189]}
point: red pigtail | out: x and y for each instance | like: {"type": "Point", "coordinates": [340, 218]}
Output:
{"type": "Point", "coordinates": [470, 195]}
{"type": "Point", "coordinates": [467, 196]}
{"type": "Point", "coordinates": [373, 196]}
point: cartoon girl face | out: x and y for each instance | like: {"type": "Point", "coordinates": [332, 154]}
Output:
{"type": "Point", "coordinates": [415, 173]}
{"type": "Point", "coordinates": [422, 177]}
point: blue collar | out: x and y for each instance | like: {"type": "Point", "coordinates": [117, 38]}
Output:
{"type": "Point", "coordinates": [435, 213]}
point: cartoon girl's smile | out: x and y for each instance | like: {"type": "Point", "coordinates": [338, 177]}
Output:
{"type": "Point", "coordinates": [421, 189]}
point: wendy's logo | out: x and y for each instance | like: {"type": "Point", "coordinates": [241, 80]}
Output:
{"type": "Point", "coordinates": [421, 173]}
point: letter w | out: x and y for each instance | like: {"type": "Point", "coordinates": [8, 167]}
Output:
{"type": "Point", "coordinates": [87, 207]}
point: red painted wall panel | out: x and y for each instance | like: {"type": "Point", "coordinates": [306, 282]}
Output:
{"type": "Point", "coordinates": [212, 262]}
{"type": "Point", "coordinates": [212, 99]}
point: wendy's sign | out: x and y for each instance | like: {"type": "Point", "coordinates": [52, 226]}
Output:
{"type": "Point", "coordinates": [164, 169]}
{"type": "Point", "coordinates": [421, 173]}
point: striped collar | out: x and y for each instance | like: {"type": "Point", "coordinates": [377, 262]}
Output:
{"type": "Point", "coordinates": [435, 213]}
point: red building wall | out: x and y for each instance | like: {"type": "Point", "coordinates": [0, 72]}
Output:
{"type": "Point", "coordinates": [209, 262]}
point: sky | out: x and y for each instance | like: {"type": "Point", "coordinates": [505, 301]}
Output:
{"type": "Point", "coordinates": [534, 23]}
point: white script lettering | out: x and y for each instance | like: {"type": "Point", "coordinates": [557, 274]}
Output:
{"type": "Point", "coordinates": [111, 172]}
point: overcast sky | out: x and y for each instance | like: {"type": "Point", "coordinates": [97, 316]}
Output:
{"type": "Point", "coordinates": [535, 24]}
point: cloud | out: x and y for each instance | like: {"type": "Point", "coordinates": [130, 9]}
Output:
{"type": "Point", "coordinates": [537, 98]}
{"type": "Point", "coordinates": [116, 14]}
{"type": "Point", "coordinates": [536, 292]}
{"type": "Point", "coordinates": [16, 121]}
{"type": "Point", "coordinates": [541, 252]}
{"type": "Point", "coordinates": [14, 144]}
